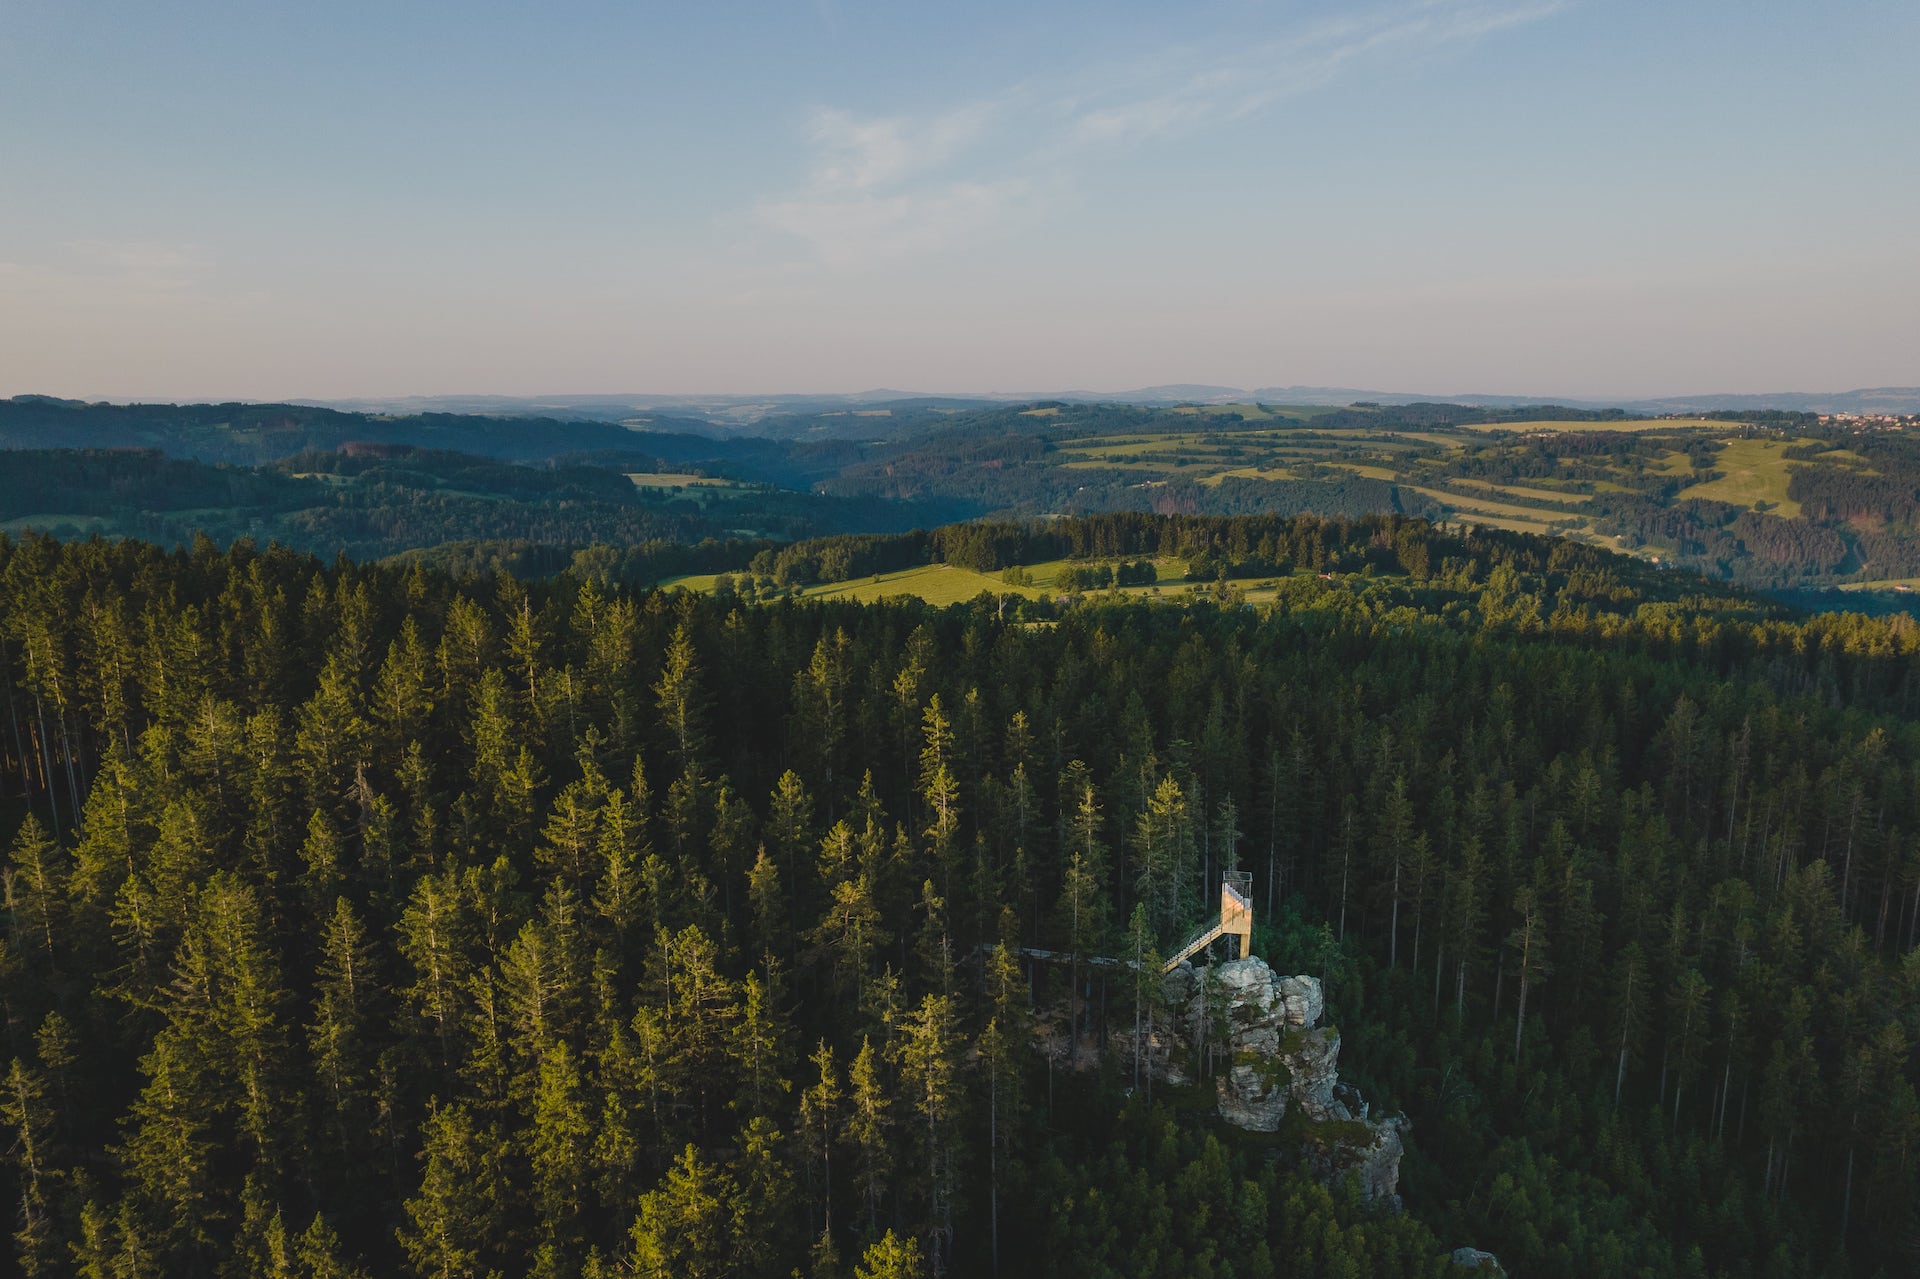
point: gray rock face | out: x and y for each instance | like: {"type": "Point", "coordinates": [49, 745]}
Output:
{"type": "Point", "coordinates": [1277, 1056]}
{"type": "Point", "coordinates": [1474, 1259]}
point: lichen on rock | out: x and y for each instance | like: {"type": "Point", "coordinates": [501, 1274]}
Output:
{"type": "Point", "coordinates": [1277, 1058]}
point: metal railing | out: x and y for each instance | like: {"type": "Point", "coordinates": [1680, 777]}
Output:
{"type": "Point", "coordinates": [1236, 899]}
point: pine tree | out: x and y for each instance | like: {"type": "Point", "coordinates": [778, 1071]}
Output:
{"type": "Point", "coordinates": [1163, 843]}
{"type": "Point", "coordinates": [559, 1143]}
{"type": "Point", "coordinates": [758, 1042]}
{"type": "Point", "coordinates": [681, 701]}
{"type": "Point", "coordinates": [1529, 946]}
{"type": "Point", "coordinates": [1627, 1014]}
{"type": "Point", "coordinates": [867, 1131]}
{"type": "Point", "coordinates": [456, 1220]}
{"type": "Point", "coordinates": [338, 1040]}
{"type": "Point", "coordinates": [28, 1118]}
{"type": "Point", "coordinates": [36, 889]}
{"type": "Point", "coordinates": [1687, 1029]}
{"type": "Point", "coordinates": [685, 1228]}
{"type": "Point", "coordinates": [891, 1258]}
{"type": "Point", "coordinates": [817, 1132]}
{"type": "Point", "coordinates": [929, 1078]}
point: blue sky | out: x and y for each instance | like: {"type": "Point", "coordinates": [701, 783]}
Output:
{"type": "Point", "coordinates": [1575, 197]}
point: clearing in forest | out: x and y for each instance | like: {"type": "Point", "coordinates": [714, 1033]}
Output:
{"type": "Point", "coordinates": [1480, 506]}
{"type": "Point", "coordinates": [675, 480]}
{"type": "Point", "coordinates": [1522, 492]}
{"type": "Point", "coordinates": [1753, 472]}
{"type": "Point", "coordinates": [1249, 473]}
{"type": "Point", "coordinates": [1622, 424]}
{"type": "Point", "coordinates": [935, 583]}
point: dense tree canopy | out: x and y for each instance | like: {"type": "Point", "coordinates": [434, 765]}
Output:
{"type": "Point", "coordinates": [368, 919]}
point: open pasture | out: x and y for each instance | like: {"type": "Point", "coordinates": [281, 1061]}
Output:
{"type": "Point", "coordinates": [1362, 468]}
{"type": "Point", "coordinates": [1248, 473]}
{"type": "Point", "coordinates": [1523, 492]}
{"type": "Point", "coordinates": [675, 480]}
{"type": "Point", "coordinates": [1480, 506]}
{"type": "Point", "coordinates": [1755, 472]}
{"type": "Point", "coordinates": [1630, 424]}
{"type": "Point", "coordinates": [937, 584]}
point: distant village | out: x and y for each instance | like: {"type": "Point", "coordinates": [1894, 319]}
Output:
{"type": "Point", "coordinates": [1872, 421]}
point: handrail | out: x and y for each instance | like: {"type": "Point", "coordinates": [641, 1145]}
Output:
{"type": "Point", "coordinates": [1236, 917]}
{"type": "Point", "coordinates": [1206, 937]}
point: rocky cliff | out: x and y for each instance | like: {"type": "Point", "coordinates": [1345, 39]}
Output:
{"type": "Point", "coordinates": [1270, 1056]}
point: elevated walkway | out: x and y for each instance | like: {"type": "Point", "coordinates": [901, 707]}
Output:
{"type": "Point", "coordinates": [1236, 920]}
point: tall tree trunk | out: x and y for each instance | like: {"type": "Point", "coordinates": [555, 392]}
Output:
{"type": "Point", "coordinates": [1393, 925]}
{"type": "Point", "coordinates": [13, 718]}
{"type": "Point", "coordinates": [1846, 1201]}
{"type": "Point", "coordinates": [1520, 1026]}
{"type": "Point", "coordinates": [993, 1163]}
{"type": "Point", "coordinates": [45, 760]}
{"type": "Point", "coordinates": [1726, 1087]}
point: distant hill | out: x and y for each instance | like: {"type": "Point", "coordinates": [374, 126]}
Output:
{"type": "Point", "coordinates": [741, 412]}
{"type": "Point", "coordinates": [1770, 498]}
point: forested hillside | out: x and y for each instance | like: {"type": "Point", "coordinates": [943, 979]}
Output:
{"type": "Point", "coordinates": [370, 501]}
{"type": "Point", "coordinates": [1772, 500]}
{"type": "Point", "coordinates": [367, 920]}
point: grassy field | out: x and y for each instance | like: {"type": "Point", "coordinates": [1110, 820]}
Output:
{"type": "Point", "coordinates": [1362, 468]}
{"type": "Point", "coordinates": [1478, 506]}
{"type": "Point", "coordinates": [1501, 521]}
{"type": "Point", "coordinates": [1249, 473]}
{"type": "Point", "coordinates": [1125, 464]}
{"type": "Point", "coordinates": [41, 523]}
{"type": "Point", "coordinates": [1755, 471]}
{"type": "Point", "coordinates": [1885, 584]}
{"type": "Point", "coordinates": [672, 480]}
{"type": "Point", "coordinates": [1625, 425]}
{"type": "Point", "coordinates": [1520, 491]}
{"type": "Point", "coordinates": [934, 583]}
{"type": "Point", "coordinates": [942, 584]}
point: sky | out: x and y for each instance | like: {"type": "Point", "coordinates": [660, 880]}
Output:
{"type": "Point", "coordinates": [1585, 198]}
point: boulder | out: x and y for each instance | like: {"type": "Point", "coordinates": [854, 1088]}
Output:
{"type": "Point", "coordinates": [1277, 1056]}
{"type": "Point", "coordinates": [1474, 1259]}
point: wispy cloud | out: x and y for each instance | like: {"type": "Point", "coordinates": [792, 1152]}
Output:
{"type": "Point", "coordinates": [886, 187]}
{"type": "Point", "coordinates": [98, 272]}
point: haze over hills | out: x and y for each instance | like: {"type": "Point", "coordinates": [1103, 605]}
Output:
{"type": "Point", "coordinates": [740, 411]}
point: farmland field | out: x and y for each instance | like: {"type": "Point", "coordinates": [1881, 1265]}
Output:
{"type": "Point", "coordinates": [934, 583]}
{"type": "Point", "coordinates": [1756, 471]}
{"type": "Point", "coordinates": [1622, 424]}
{"type": "Point", "coordinates": [1515, 490]}
{"type": "Point", "coordinates": [662, 480]}
{"type": "Point", "coordinates": [1487, 506]}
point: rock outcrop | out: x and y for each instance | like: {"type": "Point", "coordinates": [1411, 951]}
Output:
{"type": "Point", "coordinates": [1273, 1057]}
{"type": "Point", "coordinates": [1484, 1263]}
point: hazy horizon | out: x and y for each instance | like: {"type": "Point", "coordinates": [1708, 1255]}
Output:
{"type": "Point", "coordinates": [1530, 198]}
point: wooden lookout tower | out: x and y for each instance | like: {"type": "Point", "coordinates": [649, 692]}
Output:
{"type": "Point", "coordinates": [1236, 920]}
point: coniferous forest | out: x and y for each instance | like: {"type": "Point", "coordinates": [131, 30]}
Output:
{"type": "Point", "coordinates": [369, 919]}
